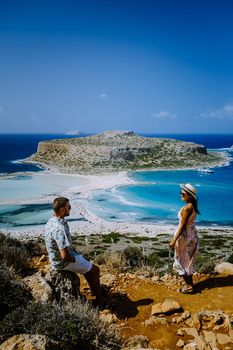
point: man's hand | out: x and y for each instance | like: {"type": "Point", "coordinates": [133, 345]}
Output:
{"type": "Point", "coordinates": [65, 255]}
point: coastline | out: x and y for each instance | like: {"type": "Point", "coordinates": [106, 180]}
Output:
{"type": "Point", "coordinates": [92, 224]}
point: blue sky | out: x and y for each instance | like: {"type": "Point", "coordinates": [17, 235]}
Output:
{"type": "Point", "coordinates": [158, 66]}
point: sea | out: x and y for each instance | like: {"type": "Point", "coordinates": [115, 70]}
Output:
{"type": "Point", "coordinates": [153, 196]}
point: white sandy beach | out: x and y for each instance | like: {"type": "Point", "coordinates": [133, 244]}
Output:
{"type": "Point", "coordinates": [92, 223]}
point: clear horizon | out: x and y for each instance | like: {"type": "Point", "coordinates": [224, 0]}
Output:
{"type": "Point", "coordinates": [152, 66]}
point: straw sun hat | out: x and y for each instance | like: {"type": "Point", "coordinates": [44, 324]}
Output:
{"type": "Point", "coordinates": [190, 189]}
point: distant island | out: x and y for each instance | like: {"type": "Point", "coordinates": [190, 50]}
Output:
{"type": "Point", "coordinates": [114, 151]}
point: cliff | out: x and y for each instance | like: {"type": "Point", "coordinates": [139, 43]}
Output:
{"type": "Point", "coordinates": [121, 150]}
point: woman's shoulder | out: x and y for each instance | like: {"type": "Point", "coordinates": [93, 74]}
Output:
{"type": "Point", "coordinates": [188, 208]}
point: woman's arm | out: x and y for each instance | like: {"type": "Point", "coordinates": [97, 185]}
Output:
{"type": "Point", "coordinates": [185, 215]}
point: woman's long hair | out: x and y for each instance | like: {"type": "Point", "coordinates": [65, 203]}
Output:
{"type": "Point", "coordinates": [194, 203]}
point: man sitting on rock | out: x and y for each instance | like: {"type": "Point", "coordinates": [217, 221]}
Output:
{"type": "Point", "coordinates": [61, 253]}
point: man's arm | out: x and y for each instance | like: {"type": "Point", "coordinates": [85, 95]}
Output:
{"type": "Point", "coordinates": [65, 255]}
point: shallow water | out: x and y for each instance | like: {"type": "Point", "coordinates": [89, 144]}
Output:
{"type": "Point", "coordinates": [157, 197]}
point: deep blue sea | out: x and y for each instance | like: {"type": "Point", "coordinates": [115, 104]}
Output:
{"type": "Point", "coordinates": [153, 198]}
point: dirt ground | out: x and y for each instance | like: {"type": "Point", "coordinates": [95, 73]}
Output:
{"type": "Point", "coordinates": [133, 299]}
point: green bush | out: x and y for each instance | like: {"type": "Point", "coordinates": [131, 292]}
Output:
{"type": "Point", "coordinates": [13, 253]}
{"type": "Point", "coordinates": [230, 259]}
{"type": "Point", "coordinates": [12, 293]}
{"type": "Point", "coordinates": [132, 256]}
{"type": "Point", "coordinates": [204, 264]}
{"type": "Point", "coordinates": [75, 326]}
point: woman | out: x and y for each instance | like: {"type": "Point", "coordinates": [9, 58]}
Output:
{"type": "Point", "coordinates": [185, 240]}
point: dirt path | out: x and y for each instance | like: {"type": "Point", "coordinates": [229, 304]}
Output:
{"type": "Point", "coordinates": [134, 307]}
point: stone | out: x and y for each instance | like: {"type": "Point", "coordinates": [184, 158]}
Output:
{"type": "Point", "coordinates": [210, 319]}
{"type": "Point", "coordinates": [201, 344]}
{"type": "Point", "coordinates": [29, 342]}
{"type": "Point", "coordinates": [180, 343]}
{"type": "Point", "coordinates": [178, 319]}
{"type": "Point", "coordinates": [190, 346]}
{"type": "Point", "coordinates": [210, 338]}
{"type": "Point", "coordinates": [40, 288]}
{"type": "Point", "coordinates": [108, 317]}
{"type": "Point", "coordinates": [223, 338]}
{"type": "Point", "coordinates": [107, 279]}
{"type": "Point", "coordinates": [66, 285]}
{"type": "Point", "coordinates": [155, 279]}
{"type": "Point", "coordinates": [155, 320]}
{"type": "Point", "coordinates": [191, 331]}
{"type": "Point", "coordinates": [168, 306]}
{"type": "Point", "coordinates": [231, 335]}
{"type": "Point", "coordinates": [224, 268]}
{"type": "Point", "coordinates": [137, 341]}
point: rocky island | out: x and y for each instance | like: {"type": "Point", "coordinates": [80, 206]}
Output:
{"type": "Point", "coordinates": [114, 151]}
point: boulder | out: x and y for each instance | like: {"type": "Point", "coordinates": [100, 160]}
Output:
{"type": "Point", "coordinates": [168, 306]}
{"type": "Point", "coordinates": [66, 285]}
{"type": "Point", "coordinates": [29, 342]}
{"type": "Point", "coordinates": [41, 290]}
{"type": "Point", "coordinates": [224, 268]}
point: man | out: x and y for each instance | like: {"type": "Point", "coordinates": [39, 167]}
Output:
{"type": "Point", "coordinates": [61, 253]}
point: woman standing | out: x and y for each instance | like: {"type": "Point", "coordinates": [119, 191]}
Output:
{"type": "Point", "coordinates": [185, 240]}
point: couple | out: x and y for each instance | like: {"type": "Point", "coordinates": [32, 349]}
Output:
{"type": "Point", "coordinates": [63, 256]}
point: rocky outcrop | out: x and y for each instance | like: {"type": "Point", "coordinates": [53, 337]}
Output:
{"type": "Point", "coordinates": [119, 150]}
{"type": "Point", "coordinates": [29, 342]}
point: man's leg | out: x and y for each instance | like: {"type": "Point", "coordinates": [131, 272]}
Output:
{"type": "Point", "coordinates": [92, 274]}
{"type": "Point", "coordinates": [93, 279]}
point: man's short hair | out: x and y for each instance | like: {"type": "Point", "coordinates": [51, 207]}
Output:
{"type": "Point", "coordinates": [58, 203]}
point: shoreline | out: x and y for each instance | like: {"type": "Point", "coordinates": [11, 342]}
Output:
{"type": "Point", "coordinates": [94, 224]}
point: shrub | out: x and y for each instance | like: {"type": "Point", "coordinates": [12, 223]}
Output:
{"type": "Point", "coordinates": [112, 237]}
{"type": "Point", "coordinates": [75, 326]}
{"type": "Point", "coordinates": [13, 253]}
{"type": "Point", "coordinates": [12, 293]}
{"type": "Point", "coordinates": [204, 264]}
{"type": "Point", "coordinates": [230, 259]}
{"type": "Point", "coordinates": [132, 256]}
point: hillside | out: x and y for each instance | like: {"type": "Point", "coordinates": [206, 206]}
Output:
{"type": "Point", "coordinates": [118, 150]}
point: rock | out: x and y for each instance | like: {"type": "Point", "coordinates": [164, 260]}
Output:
{"type": "Point", "coordinates": [66, 285]}
{"type": "Point", "coordinates": [210, 319]}
{"type": "Point", "coordinates": [178, 319]}
{"type": "Point", "coordinates": [201, 344]}
{"type": "Point", "coordinates": [137, 341]}
{"type": "Point", "coordinates": [168, 306]}
{"type": "Point", "coordinates": [155, 279]}
{"type": "Point", "coordinates": [210, 338]}
{"type": "Point", "coordinates": [40, 288]}
{"type": "Point", "coordinates": [190, 331]}
{"type": "Point", "coordinates": [29, 342]}
{"type": "Point", "coordinates": [191, 346]}
{"type": "Point", "coordinates": [225, 268]}
{"type": "Point", "coordinates": [223, 338]}
{"type": "Point", "coordinates": [155, 320]}
{"type": "Point", "coordinates": [231, 335]}
{"type": "Point", "coordinates": [180, 343]}
{"type": "Point", "coordinates": [108, 317]}
{"type": "Point", "coordinates": [107, 279]}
